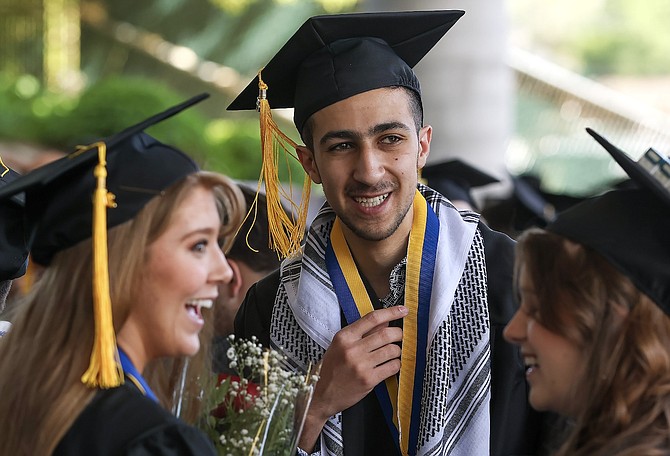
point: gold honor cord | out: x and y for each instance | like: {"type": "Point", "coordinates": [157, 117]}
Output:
{"type": "Point", "coordinates": [137, 383]}
{"type": "Point", "coordinates": [410, 322]}
{"type": "Point", "coordinates": [401, 395]}
{"type": "Point", "coordinates": [360, 295]}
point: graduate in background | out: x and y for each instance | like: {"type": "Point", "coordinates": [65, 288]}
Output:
{"type": "Point", "coordinates": [65, 388]}
{"type": "Point", "coordinates": [594, 321]}
{"type": "Point", "coordinates": [248, 266]}
{"type": "Point", "coordinates": [528, 206]}
{"type": "Point", "coordinates": [455, 179]}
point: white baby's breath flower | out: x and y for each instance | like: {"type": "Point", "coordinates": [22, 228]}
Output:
{"type": "Point", "coordinates": [265, 395]}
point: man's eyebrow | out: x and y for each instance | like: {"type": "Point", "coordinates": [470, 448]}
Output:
{"type": "Point", "coordinates": [339, 134]}
{"type": "Point", "coordinates": [380, 128]}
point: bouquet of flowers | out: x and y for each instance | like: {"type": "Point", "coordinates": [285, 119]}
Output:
{"type": "Point", "coordinates": [260, 408]}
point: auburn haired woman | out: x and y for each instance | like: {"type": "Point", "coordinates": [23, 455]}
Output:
{"type": "Point", "coordinates": [594, 318]}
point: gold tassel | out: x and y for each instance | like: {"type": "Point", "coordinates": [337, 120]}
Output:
{"type": "Point", "coordinates": [286, 232]}
{"type": "Point", "coordinates": [5, 170]}
{"type": "Point", "coordinates": [28, 279]}
{"type": "Point", "coordinates": [104, 370]}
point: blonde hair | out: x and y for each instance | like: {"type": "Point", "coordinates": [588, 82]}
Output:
{"type": "Point", "coordinates": [623, 396]}
{"type": "Point", "coordinates": [44, 355]}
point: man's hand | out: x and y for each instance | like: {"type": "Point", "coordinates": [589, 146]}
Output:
{"type": "Point", "coordinates": [361, 355]}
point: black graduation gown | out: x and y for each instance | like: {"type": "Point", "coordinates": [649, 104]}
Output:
{"type": "Point", "coordinates": [122, 421]}
{"type": "Point", "coordinates": [516, 429]}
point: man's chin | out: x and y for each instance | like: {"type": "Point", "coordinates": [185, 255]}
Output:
{"type": "Point", "coordinates": [371, 234]}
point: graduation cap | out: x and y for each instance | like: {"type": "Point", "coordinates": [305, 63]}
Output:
{"type": "Point", "coordinates": [66, 202]}
{"type": "Point", "coordinates": [13, 233]}
{"type": "Point", "coordinates": [455, 178]}
{"type": "Point", "coordinates": [528, 205]}
{"type": "Point", "coordinates": [629, 227]}
{"type": "Point", "coordinates": [537, 206]}
{"type": "Point", "coordinates": [329, 59]}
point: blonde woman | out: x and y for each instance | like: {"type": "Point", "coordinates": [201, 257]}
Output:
{"type": "Point", "coordinates": [165, 264]}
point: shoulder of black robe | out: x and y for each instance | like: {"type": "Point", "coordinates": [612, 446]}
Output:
{"type": "Point", "coordinates": [255, 314]}
{"type": "Point", "coordinates": [516, 429]}
{"type": "Point", "coordinates": [499, 251]}
{"type": "Point", "coordinates": [122, 421]}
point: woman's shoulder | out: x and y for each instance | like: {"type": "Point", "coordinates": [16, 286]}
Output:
{"type": "Point", "coordinates": [123, 421]}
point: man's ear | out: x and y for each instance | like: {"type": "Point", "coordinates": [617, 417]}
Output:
{"type": "Point", "coordinates": [425, 135]}
{"type": "Point", "coordinates": [306, 157]}
{"type": "Point", "coordinates": [235, 284]}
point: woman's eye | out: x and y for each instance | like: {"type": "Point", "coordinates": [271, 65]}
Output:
{"type": "Point", "coordinates": [530, 311]}
{"type": "Point", "coordinates": [200, 246]}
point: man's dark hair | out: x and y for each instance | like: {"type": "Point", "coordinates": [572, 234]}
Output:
{"type": "Point", "coordinates": [415, 106]}
{"type": "Point", "coordinates": [265, 260]}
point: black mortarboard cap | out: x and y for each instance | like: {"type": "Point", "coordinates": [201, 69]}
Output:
{"type": "Point", "coordinates": [534, 206]}
{"type": "Point", "coordinates": [58, 194]}
{"type": "Point", "coordinates": [628, 227]}
{"type": "Point", "coordinates": [455, 178]}
{"type": "Point", "coordinates": [13, 232]}
{"type": "Point", "coordinates": [331, 58]}
{"type": "Point", "coordinates": [67, 201]}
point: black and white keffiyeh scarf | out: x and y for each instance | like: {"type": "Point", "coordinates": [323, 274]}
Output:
{"type": "Point", "coordinates": [454, 417]}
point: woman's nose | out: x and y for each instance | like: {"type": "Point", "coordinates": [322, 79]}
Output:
{"type": "Point", "coordinates": [515, 331]}
{"type": "Point", "coordinates": [221, 270]}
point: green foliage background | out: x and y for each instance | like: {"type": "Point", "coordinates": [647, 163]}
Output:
{"type": "Point", "coordinates": [603, 37]}
{"type": "Point", "coordinates": [31, 114]}
{"type": "Point", "coordinates": [125, 85]}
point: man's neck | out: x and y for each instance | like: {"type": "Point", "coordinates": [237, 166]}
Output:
{"type": "Point", "coordinates": [376, 259]}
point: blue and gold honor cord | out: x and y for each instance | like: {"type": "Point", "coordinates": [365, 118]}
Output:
{"type": "Point", "coordinates": [400, 399]}
{"type": "Point", "coordinates": [134, 376]}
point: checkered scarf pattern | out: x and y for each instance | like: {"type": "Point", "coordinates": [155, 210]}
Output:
{"type": "Point", "coordinates": [454, 416]}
